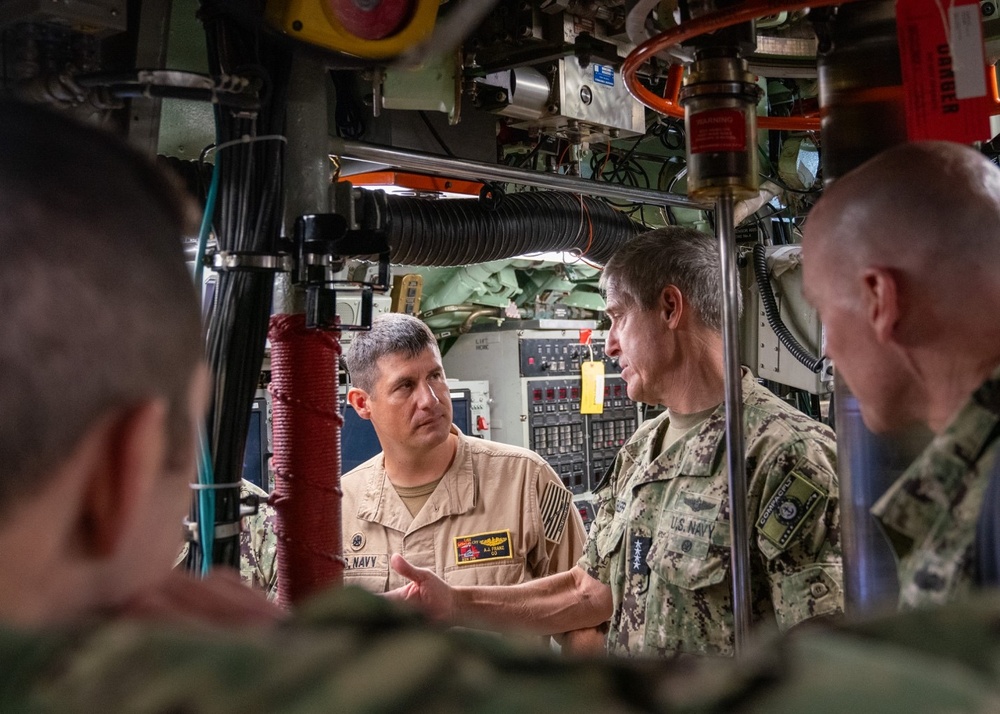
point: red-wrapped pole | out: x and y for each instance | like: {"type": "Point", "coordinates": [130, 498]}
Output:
{"type": "Point", "coordinates": [306, 436]}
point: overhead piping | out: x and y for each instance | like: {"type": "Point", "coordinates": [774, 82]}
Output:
{"type": "Point", "coordinates": [725, 17]}
{"type": "Point", "coordinates": [477, 171]}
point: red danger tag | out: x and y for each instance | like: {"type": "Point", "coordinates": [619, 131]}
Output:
{"type": "Point", "coordinates": [944, 70]}
{"type": "Point", "coordinates": [717, 130]}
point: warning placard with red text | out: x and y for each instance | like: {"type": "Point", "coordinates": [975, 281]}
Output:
{"type": "Point", "coordinates": [944, 70]}
{"type": "Point", "coordinates": [717, 130]}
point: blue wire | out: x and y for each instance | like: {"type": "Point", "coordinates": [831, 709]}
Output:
{"type": "Point", "coordinates": [206, 496]}
{"type": "Point", "coordinates": [206, 228]}
{"type": "Point", "coordinates": [206, 502]}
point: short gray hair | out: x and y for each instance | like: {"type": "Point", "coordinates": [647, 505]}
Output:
{"type": "Point", "coordinates": [391, 333]}
{"type": "Point", "coordinates": [683, 257]}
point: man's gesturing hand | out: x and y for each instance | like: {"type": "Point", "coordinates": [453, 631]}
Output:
{"type": "Point", "coordinates": [425, 591]}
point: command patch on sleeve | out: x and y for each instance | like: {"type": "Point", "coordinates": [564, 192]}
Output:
{"type": "Point", "coordinates": [483, 547]}
{"type": "Point", "coordinates": [555, 510]}
{"type": "Point", "coordinates": [788, 508]}
{"type": "Point", "coordinates": [638, 549]}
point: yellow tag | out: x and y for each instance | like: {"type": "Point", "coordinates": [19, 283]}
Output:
{"type": "Point", "coordinates": [592, 389]}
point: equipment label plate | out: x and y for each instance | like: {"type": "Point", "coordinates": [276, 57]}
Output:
{"type": "Point", "coordinates": [604, 74]}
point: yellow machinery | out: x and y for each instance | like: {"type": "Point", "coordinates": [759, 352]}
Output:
{"type": "Point", "coordinates": [373, 29]}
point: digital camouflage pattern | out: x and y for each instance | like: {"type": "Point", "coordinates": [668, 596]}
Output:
{"type": "Point", "coordinates": [352, 652]}
{"type": "Point", "coordinates": [930, 513]}
{"type": "Point", "coordinates": [661, 536]}
{"type": "Point", "coordinates": [259, 544]}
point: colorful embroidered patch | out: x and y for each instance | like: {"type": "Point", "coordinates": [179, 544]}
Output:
{"type": "Point", "coordinates": [482, 547]}
{"type": "Point", "coordinates": [555, 509]}
{"type": "Point", "coordinates": [785, 513]}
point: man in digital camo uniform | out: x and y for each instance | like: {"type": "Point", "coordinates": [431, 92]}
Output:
{"type": "Point", "coordinates": [656, 563]}
{"type": "Point", "coordinates": [95, 488]}
{"type": "Point", "coordinates": [901, 259]}
{"type": "Point", "coordinates": [476, 512]}
{"type": "Point", "coordinates": [259, 544]}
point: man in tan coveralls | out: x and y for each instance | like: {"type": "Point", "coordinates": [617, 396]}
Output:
{"type": "Point", "coordinates": [656, 563]}
{"type": "Point", "coordinates": [475, 512]}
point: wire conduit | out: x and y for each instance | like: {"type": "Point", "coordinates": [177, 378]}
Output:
{"type": "Point", "coordinates": [774, 316]}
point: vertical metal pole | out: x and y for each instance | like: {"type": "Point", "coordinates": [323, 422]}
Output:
{"type": "Point", "coordinates": [867, 465]}
{"type": "Point", "coordinates": [150, 51]}
{"type": "Point", "coordinates": [735, 448]}
{"type": "Point", "coordinates": [307, 160]}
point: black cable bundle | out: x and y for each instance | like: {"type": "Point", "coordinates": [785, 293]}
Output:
{"type": "Point", "coordinates": [247, 218]}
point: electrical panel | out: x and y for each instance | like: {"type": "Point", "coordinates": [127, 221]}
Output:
{"type": "Point", "coordinates": [477, 392]}
{"type": "Point", "coordinates": [534, 377]}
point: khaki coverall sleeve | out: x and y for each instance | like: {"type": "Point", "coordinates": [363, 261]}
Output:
{"type": "Point", "coordinates": [562, 532]}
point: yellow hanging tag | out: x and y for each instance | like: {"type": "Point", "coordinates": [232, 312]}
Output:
{"type": "Point", "coordinates": [592, 388]}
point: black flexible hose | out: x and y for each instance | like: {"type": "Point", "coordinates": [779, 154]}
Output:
{"type": "Point", "coordinates": [815, 364]}
{"type": "Point", "coordinates": [464, 231]}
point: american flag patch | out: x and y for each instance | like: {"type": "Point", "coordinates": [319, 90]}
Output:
{"type": "Point", "coordinates": [555, 509]}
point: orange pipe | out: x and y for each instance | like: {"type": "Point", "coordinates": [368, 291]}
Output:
{"type": "Point", "coordinates": [709, 23]}
{"type": "Point", "coordinates": [675, 80]}
{"type": "Point", "coordinates": [717, 20]}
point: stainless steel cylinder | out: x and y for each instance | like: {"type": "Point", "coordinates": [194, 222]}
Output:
{"type": "Point", "coordinates": [529, 93]}
{"type": "Point", "coordinates": [860, 83]}
{"type": "Point", "coordinates": [720, 118]}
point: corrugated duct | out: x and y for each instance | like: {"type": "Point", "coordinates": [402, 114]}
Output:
{"type": "Point", "coordinates": [463, 231]}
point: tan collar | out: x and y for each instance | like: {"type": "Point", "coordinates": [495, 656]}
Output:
{"type": "Point", "coordinates": [457, 493]}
